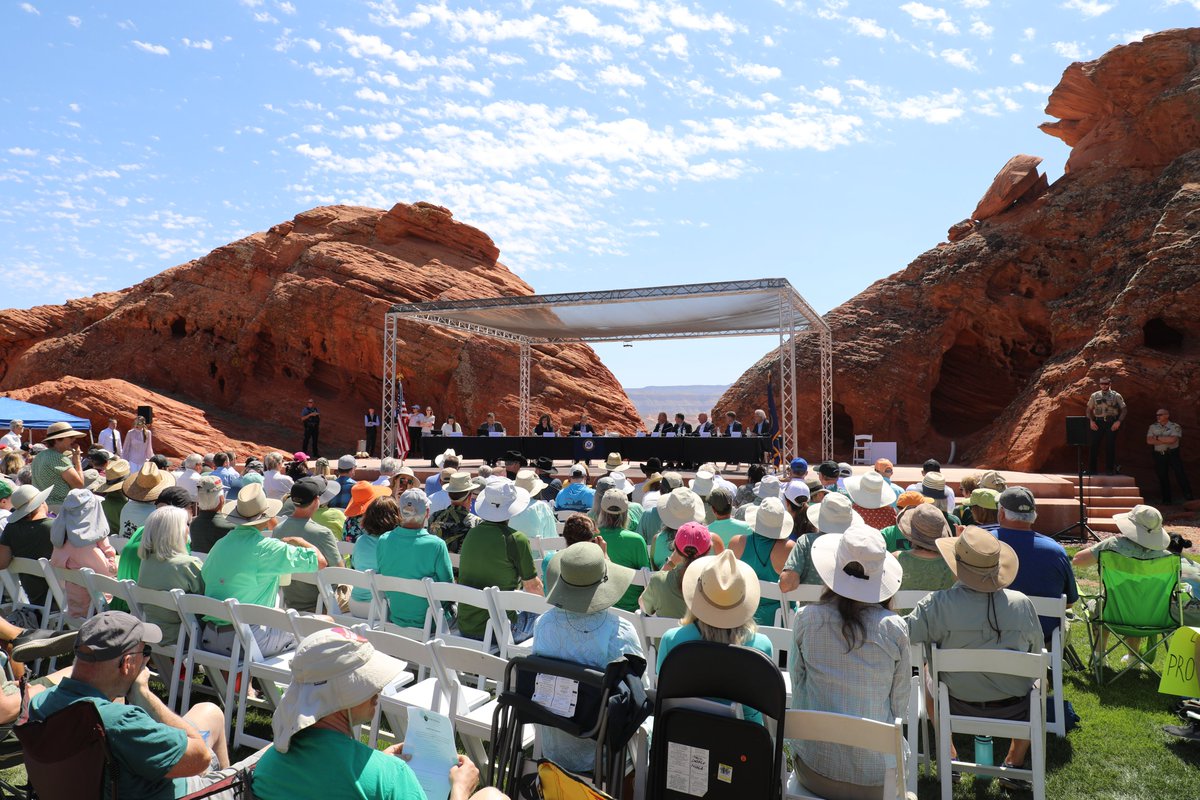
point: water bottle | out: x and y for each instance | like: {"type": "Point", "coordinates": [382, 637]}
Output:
{"type": "Point", "coordinates": [983, 755]}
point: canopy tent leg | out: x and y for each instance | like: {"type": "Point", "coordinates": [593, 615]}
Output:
{"type": "Point", "coordinates": [523, 407]}
{"type": "Point", "coordinates": [388, 408]}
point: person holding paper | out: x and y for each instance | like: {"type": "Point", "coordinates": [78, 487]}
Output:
{"type": "Point", "coordinates": [336, 680]}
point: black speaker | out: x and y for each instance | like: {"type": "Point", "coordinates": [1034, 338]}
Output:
{"type": "Point", "coordinates": [1077, 431]}
{"type": "Point", "coordinates": [146, 413]}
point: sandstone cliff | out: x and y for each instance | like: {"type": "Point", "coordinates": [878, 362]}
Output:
{"type": "Point", "coordinates": [230, 346]}
{"type": "Point", "coordinates": [992, 340]}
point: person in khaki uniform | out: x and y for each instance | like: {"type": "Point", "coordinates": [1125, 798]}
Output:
{"type": "Point", "coordinates": [1105, 412]}
{"type": "Point", "coordinates": [1163, 437]}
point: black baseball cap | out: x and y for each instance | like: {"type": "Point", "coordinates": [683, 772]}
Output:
{"type": "Point", "coordinates": [305, 490]}
{"type": "Point", "coordinates": [931, 465]}
{"type": "Point", "coordinates": [174, 496]}
{"type": "Point", "coordinates": [828, 469]}
{"type": "Point", "coordinates": [1017, 498]}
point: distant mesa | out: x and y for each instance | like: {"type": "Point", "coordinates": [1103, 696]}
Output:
{"type": "Point", "coordinates": [991, 340]}
{"type": "Point", "coordinates": [227, 348]}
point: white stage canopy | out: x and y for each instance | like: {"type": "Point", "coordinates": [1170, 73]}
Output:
{"type": "Point", "coordinates": [766, 306]}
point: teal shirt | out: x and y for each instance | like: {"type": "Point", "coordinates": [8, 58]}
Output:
{"type": "Point", "coordinates": [144, 750]}
{"type": "Point", "coordinates": [366, 550]}
{"type": "Point", "coordinates": [247, 565]}
{"type": "Point", "coordinates": [729, 528]}
{"type": "Point", "coordinates": [690, 633]}
{"type": "Point", "coordinates": [407, 553]}
{"type": "Point", "coordinates": [321, 764]}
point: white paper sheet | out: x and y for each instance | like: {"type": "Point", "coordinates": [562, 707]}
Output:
{"type": "Point", "coordinates": [429, 741]}
{"type": "Point", "coordinates": [556, 694]}
{"type": "Point", "coordinates": [687, 769]}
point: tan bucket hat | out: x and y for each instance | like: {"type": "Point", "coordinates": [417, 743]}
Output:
{"type": "Point", "coordinates": [614, 463]}
{"type": "Point", "coordinates": [114, 476]}
{"type": "Point", "coordinates": [252, 506]}
{"type": "Point", "coordinates": [145, 485]}
{"type": "Point", "coordinates": [979, 560]}
{"type": "Point", "coordinates": [61, 430]}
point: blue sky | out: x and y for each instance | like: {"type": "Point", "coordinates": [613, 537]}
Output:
{"type": "Point", "coordinates": [601, 143]}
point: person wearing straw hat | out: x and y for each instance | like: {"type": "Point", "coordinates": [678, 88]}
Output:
{"type": "Point", "coordinates": [834, 514]}
{"type": "Point", "coordinates": [624, 546]}
{"type": "Point", "coordinates": [337, 677]}
{"type": "Point", "coordinates": [247, 564]}
{"type": "Point", "coordinates": [980, 612]}
{"type": "Point", "coordinates": [891, 534]}
{"type": "Point", "coordinates": [537, 521]}
{"type": "Point", "coordinates": [581, 628]}
{"type": "Point", "coordinates": [79, 535]}
{"type": "Point", "coordinates": [924, 569]}
{"type": "Point", "coordinates": [142, 489]}
{"type": "Point", "coordinates": [722, 595]}
{"type": "Point", "coordinates": [59, 466]}
{"type": "Point", "coordinates": [452, 523]}
{"type": "Point", "coordinates": [305, 495]}
{"type": "Point", "coordinates": [27, 535]}
{"type": "Point", "coordinates": [766, 549]}
{"type": "Point", "coordinates": [873, 498]}
{"type": "Point", "coordinates": [851, 656]}
{"type": "Point", "coordinates": [663, 596]}
{"type": "Point", "coordinates": [494, 554]}
{"type": "Point", "coordinates": [676, 507]}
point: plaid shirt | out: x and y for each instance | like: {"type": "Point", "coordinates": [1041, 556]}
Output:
{"type": "Point", "coordinates": [451, 525]}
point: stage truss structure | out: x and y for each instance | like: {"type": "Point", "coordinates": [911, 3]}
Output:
{"type": "Point", "coordinates": [759, 307]}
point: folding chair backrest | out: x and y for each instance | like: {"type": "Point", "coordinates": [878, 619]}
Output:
{"type": "Point", "coordinates": [1001, 662]}
{"type": "Point", "coordinates": [66, 754]}
{"type": "Point", "coordinates": [908, 598]}
{"type": "Point", "coordinates": [159, 598]}
{"type": "Point", "coordinates": [805, 594]}
{"type": "Point", "coordinates": [868, 734]}
{"type": "Point", "coordinates": [413, 653]}
{"type": "Point", "coordinates": [246, 614]}
{"type": "Point", "coordinates": [330, 577]}
{"type": "Point", "coordinates": [450, 664]}
{"type": "Point", "coordinates": [642, 577]}
{"type": "Point", "coordinates": [781, 642]}
{"type": "Point", "coordinates": [1138, 593]}
{"type": "Point", "coordinates": [101, 585]}
{"type": "Point", "coordinates": [306, 625]}
{"type": "Point", "coordinates": [651, 630]}
{"type": "Point", "coordinates": [382, 585]}
{"type": "Point", "coordinates": [25, 569]}
{"type": "Point", "coordinates": [440, 592]}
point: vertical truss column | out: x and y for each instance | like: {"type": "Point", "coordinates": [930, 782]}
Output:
{"type": "Point", "coordinates": [389, 407]}
{"type": "Point", "coordinates": [523, 412]}
{"type": "Point", "coordinates": [787, 375]}
{"type": "Point", "coordinates": [826, 347]}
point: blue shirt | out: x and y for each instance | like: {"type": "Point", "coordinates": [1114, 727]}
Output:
{"type": "Point", "coordinates": [343, 496]}
{"type": "Point", "coordinates": [433, 483]}
{"type": "Point", "coordinates": [1044, 569]}
{"type": "Point", "coordinates": [575, 497]}
{"type": "Point", "coordinates": [231, 479]}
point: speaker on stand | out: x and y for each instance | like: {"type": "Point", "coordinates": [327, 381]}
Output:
{"type": "Point", "coordinates": [1077, 437]}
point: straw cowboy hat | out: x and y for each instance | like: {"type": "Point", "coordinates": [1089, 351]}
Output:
{"type": "Point", "coordinates": [252, 506]}
{"type": "Point", "coordinates": [25, 500]}
{"type": "Point", "coordinates": [582, 580]}
{"type": "Point", "coordinates": [680, 506]}
{"type": "Point", "coordinates": [362, 494]}
{"type": "Point", "coordinates": [61, 430]}
{"type": "Point", "coordinates": [145, 485]}
{"type": "Point", "coordinates": [614, 463]}
{"type": "Point", "coordinates": [1143, 525]}
{"type": "Point", "coordinates": [459, 482]}
{"type": "Point", "coordinates": [979, 560]}
{"type": "Point", "coordinates": [862, 545]}
{"type": "Point", "coordinates": [721, 591]}
{"type": "Point", "coordinates": [333, 670]}
{"type": "Point", "coordinates": [528, 480]}
{"type": "Point", "coordinates": [834, 514]}
{"type": "Point", "coordinates": [114, 476]}
{"type": "Point", "coordinates": [870, 490]}
{"type": "Point", "coordinates": [439, 460]}
{"type": "Point", "coordinates": [501, 501]}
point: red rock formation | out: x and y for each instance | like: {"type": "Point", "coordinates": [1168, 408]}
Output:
{"type": "Point", "coordinates": [1018, 178]}
{"type": "Point", "coordinates": [244, 335]}
{"type": "Point", "coordinates": [989, 342]}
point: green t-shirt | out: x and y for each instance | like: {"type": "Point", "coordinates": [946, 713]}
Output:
{"type": "Point", "coordinates": [664, 594]}
{"type": "Point", "coordinates": [112, 505]}
{"type": "Point", "coordinates": [247, 565]}
{"type": "Point", "coordinates": [928, 574]}
{"type": "Point", "coordinates": [485, 562]}
{"type": "Point", "coordinates": [895, 539]}
{"type": "Point", "coordinates": [629, 550]}
{"type": "Point", "coordinates": [144, 750]}
{"type": "Point", "coordinates": [650, 524]}
{"type": "Point", "coordinates": [303, 596]}
{"type": "Point", "coordinates": [729, 528]}
{"type": "Point", "coordinates": [178, 572]}
{"type": "Point", "coordinates": [48, 467]}
{"type": "Point", "coordinates": [322, 764]}
{"type": "Point", "coordinates": [407, 553]}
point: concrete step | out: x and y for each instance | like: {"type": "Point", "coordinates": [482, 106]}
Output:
{"type": "Point", "coordinates": [1109, 491]}
{"type": "Point", "coordinates": [1103, 480]}
{"type": "Point", "coordinates": [1105, 513]}
{"type": "Point", "coordinates": [1125, 501]}
{"type": "Point", "coordinates": [1102, 524]}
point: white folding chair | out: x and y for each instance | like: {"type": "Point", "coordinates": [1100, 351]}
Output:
{"type": "Point", "coordinates": [769, 590]}
{"type": "Point", "coordinates": [868, 734]}
{"type": "Point", "coordinates": [472, 721]}
{"type": "Point", "coordinates": [103, 587]}
{"type": "Point", "coordinates": [381, 585]}
{"type": "Point", "coordinates": [642, 577]}
{"type": "Point", "coordinates": [805, 594]}
{"type": "Point", "coordinates": [440, 593]}
{"type": "Point", "coordinates": [541, 547]}
{"type": "Point", "coordinates": [346, 549]}
{"type": "Point", "coordinates": [917, 717]}
{"type": "Point", "coordinates": [304, 625]}
{"type": "Point", "coordinates": [32, 568]}
{"type": "Point", "coordinates": [781, 643]}
{"type": "Point", "coordinates": [118, 542]}
{"type": "Point", "coordinates": [167, 658]}
{"type": "Point", "coordinates": [329, 578]}
{"type": "Point", "coordinates": [58, 578]}
{"type": "Point", "coordinates": [500, 602]}
{"type": "Point", "coordinates": [1055, 607]}
{"type": "Point", "coordinates": [220, 668]}
{"type": "Point", "coordinates": [650, 630]}
{"type": "Point", "coordinates": [909, 598]}
{"type": "Point", "coordinates": [998, 662]}
{"type": "Point", "coordinates": [309, 578]}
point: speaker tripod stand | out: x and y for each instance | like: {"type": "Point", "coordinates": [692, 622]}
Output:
{"type": "Point", "coordinates": [1081, 530]}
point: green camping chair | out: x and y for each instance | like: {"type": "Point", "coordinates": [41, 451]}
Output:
{"type": "Point", "coordinates": [1138, 598]}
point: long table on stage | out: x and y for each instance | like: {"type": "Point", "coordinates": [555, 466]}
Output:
{"type": "Point", "coordinates": [678, 449]}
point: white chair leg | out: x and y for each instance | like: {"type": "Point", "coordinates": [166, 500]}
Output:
{"type": "Point", "coordinates": [943, 748]}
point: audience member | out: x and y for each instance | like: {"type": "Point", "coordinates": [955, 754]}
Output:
{"type": "Point", "coordinates": [231, 479]}
{"type": "Point", "coordinates": [720, 501]}
{"type": "Point", "coordinates": [345, 477]}
{"type": "Point", "coordinates": [130, 563]}
{"type": "Point", "coordinates": [114, 499]}
{"type": "Point", "coordinates": [576, 495]}
{"type": "Point", "coordinates": [362, 494]}
{"type": "Point", "coordinates": [27, 535]}
{"type": "Point", "coordinates": [189, 474]}
{"type": "Point", "coordinates": [873, 499]}
{"type": "Point", "coordinates": [209, 525]}
{"type": "Point", "coordinates": [58, 467]}
{"type": "Point", "coordinates": [79, 535]}
{"type": "Point", "coordinates": [766, 549]}
{"type": "Point", "coordinates": [538, 520]}
{"type": "Point", "coordinates": [411, 551]}
{"type": "Point", "coordinates": [276, 484]}
{"type": "Point", "coordinates": [664, 591]}
{"type": "Point", "coordinates": [332, 518]}
{"type": "Point", "coordinates": [305, 495]}
{"type": "Point", "coordinates": [625, 547]}
{"type": "Point", "coordinates": [382, 517]}
{"type": "Point", "coordinates": [834, 514]}
{"type": "Point", "coordinates": [453, 522]}
{"type": "Point", "coordinates": [924, 568]}
{"type": "Point", "coordinates": [578, 528]}
{"type": "Point", "coordinates": [166, 565]}
{"type": "Point", "coordinates": [446, 461]}
{"type": "Point", "coordinates": [891, 534]}
{"type": "Point", "coordinates": [983, 508]}
{"type": "Point", "coordinates": [675, 508]}
{"type": "Point", "coordinates": [1045, 567]}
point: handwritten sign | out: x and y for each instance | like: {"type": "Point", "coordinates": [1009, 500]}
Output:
{"type": "Point", "coordinates": [1179, 675]}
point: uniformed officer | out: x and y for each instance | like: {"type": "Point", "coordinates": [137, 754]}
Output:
{"type": "Point", "coordinates": [1163, 437]}
{"type": "Point", "coordinates": [1105, 411]}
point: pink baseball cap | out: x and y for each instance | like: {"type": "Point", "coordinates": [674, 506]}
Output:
{"type": "Point", "coordinates": [694, 535]}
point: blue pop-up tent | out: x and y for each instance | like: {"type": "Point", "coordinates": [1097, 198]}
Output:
{"type": "Point", "coordinates": [37, 418]}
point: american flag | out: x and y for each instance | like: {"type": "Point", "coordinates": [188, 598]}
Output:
{"type": "Point", "coordinates": [402, 443]}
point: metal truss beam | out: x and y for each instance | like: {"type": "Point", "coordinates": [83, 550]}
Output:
{"type": "Point", "coordinates": [523, 408]}
{"type": "Point", "coordinates": [389, 408]}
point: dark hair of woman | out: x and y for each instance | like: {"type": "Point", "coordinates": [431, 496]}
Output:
{"type": "Point", "coordinates": [381, 516]}
{"type": "Point", "coordinates": [578, 528]}
{"type": "Point", "coordinates": [755, 473]}
{"type": "Point", "coordinates": [854, 630]}
{"type": "Point", "coordinates": [296, 470]}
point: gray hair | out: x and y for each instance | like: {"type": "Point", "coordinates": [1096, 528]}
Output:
{"type": "Point", "coordinates": [210, 502]}
{"type": "Point", "coordinates": [272, 460]}
{"type": "Point", "coordinates": [485, 471]}
{"type": "Point", "coordinates": [611, 519]}
{"type": "Point", "coordinates": [165, 534]}
{"type": "Point", "coordinates": [25, 476]}
{"type": "Point", "coordinates": [1020, 516]}
{"type": "Point", "coordinates": [16, 423]}
{"type": "Point", "coordinates": [388, 466]}
{"type": "Point", "coordinates": [738, 635]}
{"type": "Point", "coordinates": [410, 515]}
{"type": "Point", "coordinates": [192, 461]}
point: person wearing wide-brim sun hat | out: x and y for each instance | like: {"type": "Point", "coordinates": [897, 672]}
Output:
{"type": "Point", "coordinates": [337, 677]}
{"type": "Point", "coordinates": [981, 612]}
{"type": "Point", "coordinates": [834, 514]}
{"type": "Point", "coordinates": [851, 657]}
{"type": "Point", "coordinates": [58, 467]}
{"type": "Point", "coordinates": [581, 627]}
{"type": "Point", "coordinates": [362, 494]}
{"type": "Point", "coordinates": [766, 548]}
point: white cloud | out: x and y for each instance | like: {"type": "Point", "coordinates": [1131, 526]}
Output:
{"type": "Point", "coordinates": [286, 8]}
{"type": "Point", "coordinates": [768, 41]}
{"type": "Point", "coordinates": [564, 72]}
{"type": "Point", "coordinates": [677, 45]}
{"type": "Point", "coordinates": [30, 8]}
{"type": "Point", "coordinates": [828, 94]}
{"type": "Point", "coordinates": [156, 49]}
{"type": "Point", "coordinates": [757, 72]}
{"type": "Point", "coordinates": [982, 29]}
{"type": "Point", "coordinates": [1071, 50]}
{"type": "Point", "coordinates": [682, 17]}
{"type": "Point", "coordinates": [832, 61]}
{"type": "Point", "coordinates": [22, 151]}
{"type": "Point", "coordinates": [924, 13]}
{"type": "Point", "coordinates": [74, 107]}
{"type": "Point", "coordinates": [1016, 58]}
{"type": "Point", "coordinates": [975, 3]}
{"type": "Point", "coordinates": [1132, 36]}
{"type": "Point", "coordinates": [372, 95]}
{"type": "Point", "coordinates": [959, 58]}
{"type": "Point", "coordinates": [264, 16]}
{"type": "Point", "coordinates": [1028, 34]}
{"type": "Point", "coordinates": [620, 76]}
{"type": "Point", "coordinates": [372, 47]}
{"type": "Point", "coordinates": [203, 44]}
{"type": "Point", "coordinates": [1089, 8]}
{"type": "Point", "coordinates": [585, 23]}
{"type": "Point", "coordinates": [867, 27]}
{"type": "Point", "coordinates": [75, 22]}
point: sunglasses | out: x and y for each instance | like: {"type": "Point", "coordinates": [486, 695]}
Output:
{"type": "Point", "coordinates": [146, 651]}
